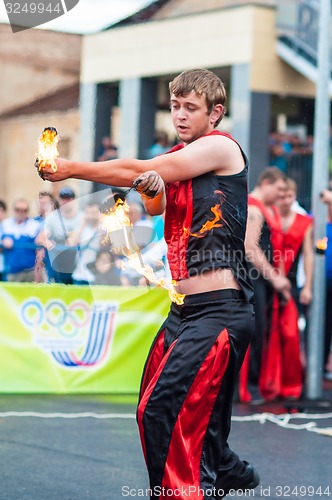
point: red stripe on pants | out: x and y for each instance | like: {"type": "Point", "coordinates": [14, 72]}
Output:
{"type": "Point", "coordinates": [150, 385]}
{"type": "Point", "coordinates": [152, 364]}
{"type": "Point", "coordinates": [244, 394]}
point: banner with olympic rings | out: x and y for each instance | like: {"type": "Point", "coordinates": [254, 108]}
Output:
{"type": "Point", "coordinates": [76, 339]}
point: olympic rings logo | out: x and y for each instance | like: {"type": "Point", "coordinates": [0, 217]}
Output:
{"type": "Point", "coordinates": [66, 319]}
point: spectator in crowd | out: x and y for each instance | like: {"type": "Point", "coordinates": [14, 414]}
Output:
{"type": "Point", "coordinates": [110, 153]}
{"type": "Point", "coordinates": [3, 210]}
{"type": "Point", "coordinates": [142, 224]}
{"type": "Point", "coordinates": [143, 235]}
{"type": "Point", "coordinates": [43, 269]}
{"type": "Point", "coordinates": [106, 143]}
{"type": "Point", "coordinates": [264, 248]}
{"type": "Point", "coordinates": [160, 146]}
{"type": "Point", "coordinates": [46, 203]}
{"type": "Point", "coordinates": [297, 240]}
{"type": "Point", "coordinates": [106, 269]}
{"type": "Point", "coordinates": [88, 237]}
{"type": "Point", "coordinates": [282, 147]}
{"type": "Point", "coordinates": [59, 227]}
{"type": "Point", "coordinates": [152, 244]}
{"type": "Point", "coordinates": [278, 156]}
{"type": "Point", "coordinates": [326, 197]}
{"type": "Point", "coordinates": [18, 240]}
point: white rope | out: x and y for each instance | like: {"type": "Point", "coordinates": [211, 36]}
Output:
{"type": "Point", "coordinates": [35, 414]}
{"type": "Point", "coordinates": [282, 420]}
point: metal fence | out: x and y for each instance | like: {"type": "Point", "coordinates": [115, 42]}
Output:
{"type": "Point", "coordinates": [299, 168]}
{"type": "Point", "coordinates": [297, 26]}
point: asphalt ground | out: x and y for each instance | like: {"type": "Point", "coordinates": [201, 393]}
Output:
{"type": "Point", "coordinates": [65, 447]}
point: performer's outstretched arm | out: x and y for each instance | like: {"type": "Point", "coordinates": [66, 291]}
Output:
{"type": "Point", "coordinates": [214, 153]}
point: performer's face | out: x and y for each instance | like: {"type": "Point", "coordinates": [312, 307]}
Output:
{"type": "Point", "coordinates": [191, 118]}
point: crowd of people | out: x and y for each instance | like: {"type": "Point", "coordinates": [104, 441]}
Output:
{"type": "Point", "coordinates": [283, 146]}
{"type": "Point", "coordinates": [64, 243]}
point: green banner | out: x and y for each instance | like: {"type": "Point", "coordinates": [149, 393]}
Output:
{"type": "Point", "coordinates": [72, 339]}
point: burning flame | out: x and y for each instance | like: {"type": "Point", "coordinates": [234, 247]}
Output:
{"type": "Point", "coordinates": [210, 224]}
{"type": "Point", "coordinates": [116, 218]}
{"type": "Point", "coordinates": [48, 148]}
{"type": "Point", "coordinates": [116, 224]}
{"type": "Point", "coordinates": [322, 244]}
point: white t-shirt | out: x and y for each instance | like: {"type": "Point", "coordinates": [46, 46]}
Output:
{"type": "Point", "coordinates": [89, 243]}
{"type": "Point", "coordinates": [58, 228]}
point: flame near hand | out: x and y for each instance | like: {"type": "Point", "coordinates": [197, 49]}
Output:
{"type": "Point", "coordinates": [48, 148]}
{"type": "Point", "coordinates": [116, 218]}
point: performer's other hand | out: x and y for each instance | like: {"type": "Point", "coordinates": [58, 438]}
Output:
{"type": "Point", "coordinates": [61, 172]}
{"type": "Point", "coordinates": [326, 196]}
{"type": "Point", "coordinates": [305, 296]}
{"type": "Point", "coordinates": [149, 184]}
{"type": "Point", "coordinates": [283, 286]}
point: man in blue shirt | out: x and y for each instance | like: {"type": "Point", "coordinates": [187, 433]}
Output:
{"type": "Point", "coordinates": [326, 197]}
{"type": "Point", "coordinates": [18, 240]}
{"type": "Point", "coordinates": [3, 209]}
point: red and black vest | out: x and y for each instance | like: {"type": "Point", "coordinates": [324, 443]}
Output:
{"type": "Point", "coordinates": [205, 224]}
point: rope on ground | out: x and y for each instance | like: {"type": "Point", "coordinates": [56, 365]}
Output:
{"type": "Point", "coordinates": [35, 414]}
{"type": "Point", "coordinates": [284, 419]}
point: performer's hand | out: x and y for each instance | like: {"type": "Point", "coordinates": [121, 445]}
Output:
{"type": "Point", "coordinates": [61, 172]}
{"type": "Point", "coordinates": [305, 296]}
{"type": "Point", "coordinates": [149, 184]}
{"type": "Point", "coordinates": [326, 196]}
{"type": "Point", "coordinates": [283, 286]}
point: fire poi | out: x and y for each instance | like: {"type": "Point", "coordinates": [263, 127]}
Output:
{"type": "Point", "coordinates": [114, 218]}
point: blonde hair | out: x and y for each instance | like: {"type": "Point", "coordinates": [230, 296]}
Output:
{"type": "Point", "coordinates": [291, 185]}
{"type": "Point", "coordinates": [204, 83]}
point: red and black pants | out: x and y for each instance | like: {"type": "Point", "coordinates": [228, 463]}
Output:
{"type": "Point", "coordinates": [184, 412]}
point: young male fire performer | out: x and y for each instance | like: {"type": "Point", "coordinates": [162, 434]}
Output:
{"type": "Point", "coordinates": [186, 392]}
